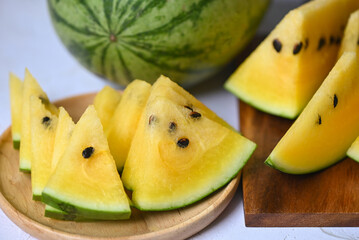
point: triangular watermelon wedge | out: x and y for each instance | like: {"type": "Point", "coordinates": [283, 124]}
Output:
{"type": "Point", "coordinates": [287, 68]}
{"type": "Point", "coordinates": [86, 181]}
{"type": "Point", "coordinates": [178, 156]}
{"type": "Point", "coordinates": [30, 88]}
{"type": "Point", "coordinates": [327, 126]}
{"type": "Point", "coordinates": [43, 126]}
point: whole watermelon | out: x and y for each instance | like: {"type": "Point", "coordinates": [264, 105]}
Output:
{"type": "Point", "coordinates": [186, 40]}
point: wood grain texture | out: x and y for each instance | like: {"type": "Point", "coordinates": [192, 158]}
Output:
{"type": "Point", "coordinates": [329, 198]}
{"type": "Point", "coordinates": [16, 202]}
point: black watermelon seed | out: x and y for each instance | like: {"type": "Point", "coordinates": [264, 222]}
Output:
{"type": "Point", "coordinates": [87, 152]}
{"type": "Point", "coordinates": [338, 40]}
{"type": "Point", "coordinates": [183, 142]}
{"type": "Point", "coordinates": [46, 121]}
{"type": "Point", "coordinates": [335, 100]}
{"type": "Point", "coordinates": [195, 115]}
{"type": "Point", "coordinates": [297, 48]}
{"type": "Point", "coordinates": [151, 119]}
{"type": "Point", "coordinates": [331, 40]}
{"type": "Point", "coordinates": [319, 119]}
{"type": "Point", "coordinates": [306, 43]}
{"type": "Point", "coordinates": [172, 126]}
{"type": "Point", "coordinates": [321, 43]}
{"type": "Point", "coordinates": [188, 107]}
{"type": "Point", "coordinates": [277, 45]}
{"type": "Point", "coordinates": [358, 42]}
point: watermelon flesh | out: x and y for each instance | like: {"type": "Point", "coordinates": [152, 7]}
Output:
{"type": "Point", "coordinates": [105, 103]}
{"type": "Point", "coordinates": [30, 88]}
{"type": "Point", "coordinates": [287, 68]}
{"type": "Point", "coordinates": [125, 118]}
{"type": "Point", "coordinates": [178, 155]}
{"type": "Point", "coordinates": [327, 126]}
{"type": "Point", "coordinates": [166, 88]}
{"type": "Point", "coordinates": [351, 43]}
{"type": "Point", "coordinates": [43, 126]}
{"type": "Point", "coordinates": [64, 129]}
{"type": "Point", "coordinates": [16, 87]}
{"type": "Point", "coordinates": [351, 35]}
{"type": "Point", "coordinates": [86, 181]}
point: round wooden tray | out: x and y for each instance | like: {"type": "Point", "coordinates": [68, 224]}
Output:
{"type": "Point", "coordinates": [16, 202]}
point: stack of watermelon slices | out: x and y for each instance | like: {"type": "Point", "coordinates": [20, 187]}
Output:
{"type": "Point", "coordinates": [170, 149]}
{"type": "Point", "coordinates": [326, 131]}
{"type": "Point", "coordinates": [308, 65]}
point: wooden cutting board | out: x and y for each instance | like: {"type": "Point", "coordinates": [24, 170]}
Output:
{"type": "Point", "coordinates": [329, 198]}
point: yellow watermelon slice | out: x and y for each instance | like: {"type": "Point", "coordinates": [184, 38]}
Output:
{"type": "Point", "coordinates": [327, 126]}
{"type": "Point", "coordinates": [179, 155]}
{"type": "Point", "coordinates": [287, 68]}
{"type": "Point", "coordinates": [30, 88]}
{"type": "Point", "coordinates": [16, 86]}
{"type": "Point", "coordinates": [86, 181]}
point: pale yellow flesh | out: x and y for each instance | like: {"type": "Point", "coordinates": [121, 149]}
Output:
{"type": "Point", "coordinates": [63, 134]}
{"type": "Point", "coordinates": [282, 83]}
{"type": "Point", "coordinates": [42, 140]}
{"type": "Point", "coordinates": [16, 89]}
{"type": "Point", "coordinates": [105, 104]}
{"type": "Point", "coordinates": [165, 88]}
{"type": "Point", "coordinates": [353, 151]}
{"type": "Point", "coordinates": [350, 41]}
{"type": "Point", "coordinates": [30, 88]}
{"type": "Point", "coordinates": [92, 183]}
{"type": "Point", "coordinates": [311, 143]}
{"type": "Point", "coordinates": [125, 118]}
{"type": "Point", "coordinates": [164, 175]}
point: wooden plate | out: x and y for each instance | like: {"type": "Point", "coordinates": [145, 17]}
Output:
{"type": "Point", "coordinates": [16, 202]}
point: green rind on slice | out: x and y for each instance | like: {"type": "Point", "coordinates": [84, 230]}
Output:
{"type": "Point", "coordinates": [16, 141]}
{"type": "Point", "coordinates": [25, 165]}
{"type": "Point", "coordinates": [271, 164]}
{"type": "Point", "coordinates": [55, 213]}
{"type": "Point", "coordinates": [262, 106]}
{"type": "Point", "coordinates": [67, 205]}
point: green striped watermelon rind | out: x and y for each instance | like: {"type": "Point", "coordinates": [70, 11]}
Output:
{"type": "Point", "coordinates": [141, 39]}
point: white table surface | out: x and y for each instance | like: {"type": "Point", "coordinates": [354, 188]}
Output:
{"type": "Point", "coordinates": [27, 39]}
